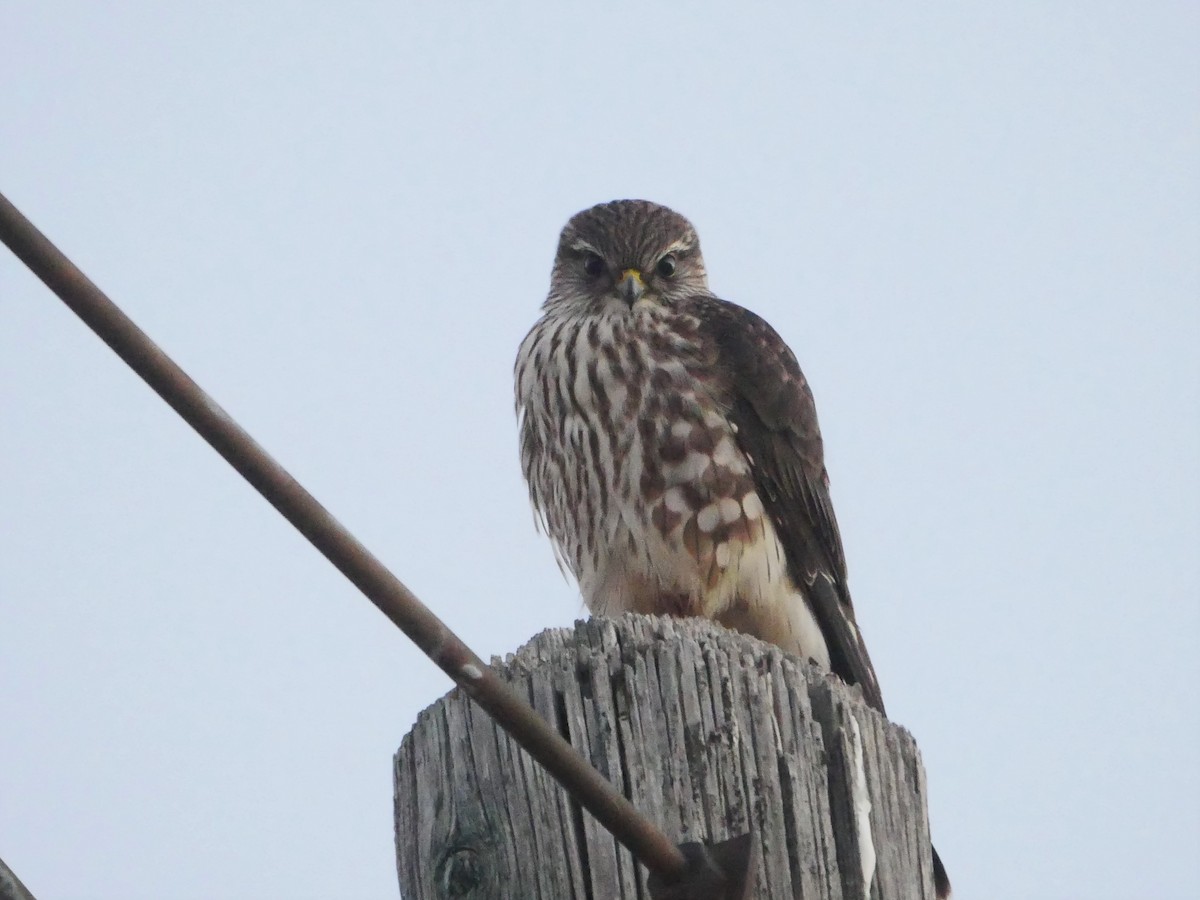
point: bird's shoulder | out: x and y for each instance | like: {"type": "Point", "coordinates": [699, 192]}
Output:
{"type": "Point", "coordinates": [770, 406]}
{"type": "Point", "coordinates": [766, 395]}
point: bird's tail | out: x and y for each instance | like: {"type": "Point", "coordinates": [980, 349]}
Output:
{"type": "Point", "coordinates": [941, 881]}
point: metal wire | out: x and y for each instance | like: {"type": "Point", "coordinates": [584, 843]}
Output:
{"type": "Point", "coordinates": [577, 776]}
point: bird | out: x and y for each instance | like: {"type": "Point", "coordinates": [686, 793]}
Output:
{"type": "Point", "coordinates": [670, 444]}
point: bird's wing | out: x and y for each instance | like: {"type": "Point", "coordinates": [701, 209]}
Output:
{"type": "Point", "coordinates": [770, 404]}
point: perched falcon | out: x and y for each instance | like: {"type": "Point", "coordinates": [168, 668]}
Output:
{"type": "Point", "coordinates": [671, 447]}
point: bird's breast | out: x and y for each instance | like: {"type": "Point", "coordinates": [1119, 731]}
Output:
{"type": "Point", "coordinates": [636, 471]}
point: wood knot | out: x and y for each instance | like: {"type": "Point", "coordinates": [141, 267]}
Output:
{"type": "Point", "coordinates": [462, 873]}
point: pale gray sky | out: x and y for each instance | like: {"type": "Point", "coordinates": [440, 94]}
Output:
{"type": "Point", "coordinates": [977, 225]}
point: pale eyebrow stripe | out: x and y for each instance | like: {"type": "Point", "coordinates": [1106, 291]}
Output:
{"type": "Point", "coordinates": [584, 247]}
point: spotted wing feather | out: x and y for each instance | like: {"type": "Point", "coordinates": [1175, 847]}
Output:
{"type": "Point", "coordinates": [772, 407]}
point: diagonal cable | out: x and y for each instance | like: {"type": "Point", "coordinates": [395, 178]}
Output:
{"type": "Point", "coordinates": [577, 776]}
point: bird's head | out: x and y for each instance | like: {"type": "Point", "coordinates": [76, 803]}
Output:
{"type": "Point", "coordinates": [621, 254]}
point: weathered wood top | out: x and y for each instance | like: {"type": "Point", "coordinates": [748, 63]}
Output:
{"type": "Point", "coordinates": [710, 733]}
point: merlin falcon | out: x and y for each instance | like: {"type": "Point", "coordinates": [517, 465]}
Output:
{"type": "Point", "coordinates": [670, 444]}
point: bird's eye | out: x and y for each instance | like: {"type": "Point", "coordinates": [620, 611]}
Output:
{"type": "Point", "coordinates": [666, 266]}
{"type": "Point", "coordinates": [593, 265]}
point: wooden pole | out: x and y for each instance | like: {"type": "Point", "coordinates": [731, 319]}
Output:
{"type": "Point", "coordinates": [710, 733]}
{"type": "Point", "coordinates": [10, 885]}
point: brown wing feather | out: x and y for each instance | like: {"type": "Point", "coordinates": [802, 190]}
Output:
{"type": "Point", "coordinates": [771, 405]}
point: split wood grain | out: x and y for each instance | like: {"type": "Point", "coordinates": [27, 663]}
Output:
{"type": "Point", "coordinates": [708, 732]}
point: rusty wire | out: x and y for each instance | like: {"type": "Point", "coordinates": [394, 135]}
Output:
{"type": "Point", "coordinates": [577, 776]}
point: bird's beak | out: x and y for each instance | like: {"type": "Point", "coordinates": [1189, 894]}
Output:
{"type": "Point", "coordinates": [631, 286]}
